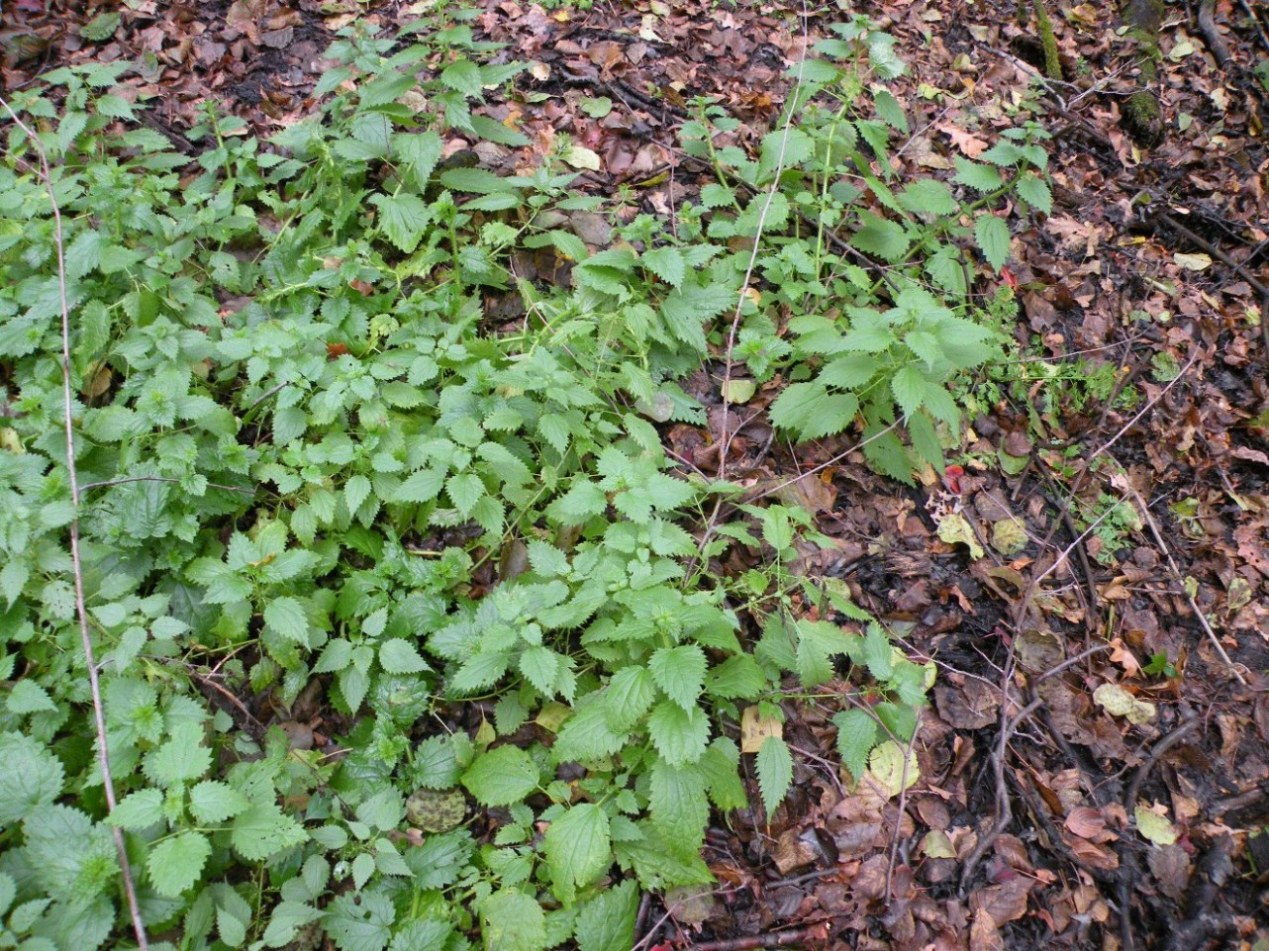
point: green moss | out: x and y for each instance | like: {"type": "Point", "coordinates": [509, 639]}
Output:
{"type": "Point", "coordinates": [1052, 63]}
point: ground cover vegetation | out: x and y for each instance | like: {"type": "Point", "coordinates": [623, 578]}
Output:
{"type": "Point", "coordinates": [383, 565]}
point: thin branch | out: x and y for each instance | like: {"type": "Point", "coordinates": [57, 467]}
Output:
{"type": "Point", "coordinates": [77, 566]}
{"type": "Point", "coordinates": [89, 486]}
{"type": "Point", "coordinates": [725, 436]}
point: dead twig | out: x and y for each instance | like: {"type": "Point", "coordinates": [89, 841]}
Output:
{"type": "Point", "coordinates": [1144, 509]}
{"type": "Point", "coordinates": [77, 565]}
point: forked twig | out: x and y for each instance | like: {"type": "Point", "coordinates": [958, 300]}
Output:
{"type": "Point", "coordinates": [77, 568]}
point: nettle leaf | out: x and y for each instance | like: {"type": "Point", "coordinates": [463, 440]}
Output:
{"type": "Point", "coordinates": [138, 810]}
{"type": "Point", "coordinates": [678, 805]}
{"type": "Point", "coordinates": [285, 617]}
{"type": "Point", "coordinates": [399, 656]}
{"type": "Point", "coordinates": [720, 766]}
{"type": "Point", "coordinates": [213, 802]}
{"type": "Point", "coordinates": [262, 830]}
{"type": "Point", "coordinates": [421, 486]}
{"type": "Point", "coordinates": [818, 643]}
{"type": "Point", "coordinates": [774, 764]}
{"type": "Point", "coordinates": [465, 490]}
{"type": "Point", "coordinates": [512, 921]}
{"type": "Point", "coordinates": [540, 666]}
{"type": "Point", "coordinates": [360, 922]}
{"type": "Point", "coordinates": [179, 759]}
{"type": "Point", "coordinates": [502, 776]}
{"type": "Point", "coordinates": [578, 848]}
{"type": "Point", "coordinates": [885, 239]}
{"type": "Point", "coordinates": [582, 501]}
{"type": "Point", "coordinates": [1034, 190]}
{"type": "Point", "coordinates": [736, 678]}
{"type": "Point", "coordinates": [607, 921]}
{"type": "Point", "coordinates": [176, 863]}
{"type": "Point", "coordinates": [463, 76]}
{"type": "Point", "coordinates": [928, 196]}
{"type": "Point", "coordinates": [629, 695]}
{"type": "Point", "coordinates": [680, 673]}
{"type": "Point", "coordinates": [908, 386]}
{"type": "Point", "coordinates": [32, 776]}
{"type": "Point", "coordinates": [812, 412]}
{"type": "Point", "coordinates": [856, 736]}
{"type": "Point", "coordinates": [404, 219]}
{"type": "Point", "coordinates": [679, 735]}
{"type": "Point", "coordinates": [981, 178]}
{"type": "Point", "coordinates": [667, 264]}
{"type": "Point", "coordinates": [992, 235]}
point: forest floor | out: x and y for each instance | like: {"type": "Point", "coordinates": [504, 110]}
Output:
{"type": "Point", "coordinates": [1094, 769]}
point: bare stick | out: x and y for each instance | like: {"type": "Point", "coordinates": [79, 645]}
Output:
{"type": "Point", "coordinates": [725, 436]}
{"type": "Point", "coordinates": [1124, 485]}
{"type": "Point", "coordinates": [77, 567]}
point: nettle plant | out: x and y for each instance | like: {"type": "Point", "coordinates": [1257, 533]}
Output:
{"type": "Point", "coordinates": [311, 468]}
{"type": "Point", "coordinates": [870, 268]}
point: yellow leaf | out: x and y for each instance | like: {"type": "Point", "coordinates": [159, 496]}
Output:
{"type": "Point", "coordinates": [886, 766]}
{"type": "Point", "coordinates": [1118, 702]}
{"type": "Point", "coordinates": [1153, 824]}
{"type": "Point", "coordinates": [754, 728]}
{"type": "Point", "coordinates": [954, 529]}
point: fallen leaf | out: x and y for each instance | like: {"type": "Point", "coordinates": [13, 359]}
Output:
{"type": "Point", "coordinates": [1153, 824]}
{"type": "Point", "coordinates": [1118, 702]}
{"type": "Point", "coordinates": [954, 529]}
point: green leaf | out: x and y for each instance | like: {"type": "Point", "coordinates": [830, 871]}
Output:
{"type": "Point", "coordinates": [981, 178]}
{"type": "Point", "coordinates": [420, 152]}
{"type": "Point", "coordinates": [629, 696]}
{"type": "Point", "coordinates": [1034, 190]}
{"type": "Point", "coordinates": [818, 643]}
{"type": "Point", "coordinates": [928, 196]}
{"type": "Point", "coordinates": [179, 759]}
{"type": "Point", "coordinates": [885, 239]}
{"type": "Point", "coordinates": [856, 736]}
{"type": "Point", "coordinates": [679, 735]}
{"type": "Point", "coordinates": [399, 656]}
{"type": "Point", "coordinates": [736, 678]}
{"type": "Point", "coordinates": [582, 501]}
{"type": "Point", "coordinates": [422, 486]}
{"type": "Point", "coordinates": [578, 849]}
{"type": "Point", "coordinates": [811, 412]}
{"type": "Point", "coordinates": [680, 673]}
{"type": "Point", "coordinates": [678, 806]}
{"type": "Point", "coordinates": [403, 218]}
{"type": "Point", "coordinates": [666, 263]}
{"type": "Point", "coordinates": [213, 802]}
{"type": "Point", "coordinates": [607, 921]}
{"type": "Point", "coordinates": [465, 490]}
{"type": "Point", "coordinates": [264, 829]}
{"type": "Point", "coordinates": [908, 386]}
{"type": "Point", "coordinates": [512, 921]}
{"type": "Point", "coordinates": [463, 76]}
{"type": "Point", "coordinates": [27, 696]}
{"type": "Point", "coordinates": [774, 765]}
{"type": "Point", "coordinates": [13, 577]}
{"type": "Point", "coordinates": [285, 617]}
{"type": "Point", "coordinates": [541, 666]}
{"type": "Point", "coordinates": [992, 235]}
{"type": "Point", "coordinates": [502, 776]}
{"type": "Point", "coordinates": [426, 934]}
{"type": "Point", "coordinates": [176, 863]}
{"type": "Point", "coordinates": [721, 768]}
{"type": "Point", "coordinates": [138, 810]}
{"type": "Point", "coordinates": [360, 921]}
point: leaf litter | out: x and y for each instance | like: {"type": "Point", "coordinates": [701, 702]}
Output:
{"type": "Point", "coordinates": [1091, 771]}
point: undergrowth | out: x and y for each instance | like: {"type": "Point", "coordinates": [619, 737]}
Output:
{"type": "Point", "coordinates": [312, 468]}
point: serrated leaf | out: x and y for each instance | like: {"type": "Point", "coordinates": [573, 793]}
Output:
{"type": "Point", "coordinates": [360, 921]}
{"type": "Point", "coordinates": [179, 759]}
{"type": "Point", "coordinates": [463, 76]}
{"type": "Point", "coordinates": [607, 921]}
{"type": "Point", "coordinates": [680, 673]}
{"type": "Point", "coordinates": [421, 486]}
{"type": "Point", "coordinates": [420, 152]}
{"type": "Point", "coordinates": [263, 829]}
{"type": "Point", "coordinates": [666, 263]}
{"type": "Point", "coordinates": [399, 656]}
{"type": "Point", "coordinates": [629, 696]}
{"type": "Point", "coordinates": [878, 236]}
{"type": "Point", "coordinates": [540, 666]}
{"type": "Point", "coordinates": [138, 810]}
{"type": "Point", "coordinates": [578, 849]}
{"type": "Point", "coordinates": [981, 178]}
{"type": "Point", "coordinates": [285, 617]}
{"type": "Point", "coordinates": [176, 863]}
{"type": "Point", "coordinates": [774, 766]}
{"type": "Point", "coordinates": [403, 218]}
{"type": "Point", "coordinates": [502, 776]}
{"type": "Point", "coordinates": [512, 921]}
{"type": "Point", "coordinates": [736, 678]}
{"type": "Point", "coordinates": [679, 735]}
{"type": "Point", "coordinates": [992, 235]}
{"type": "Point", "coordinates": [856, 736]}
{"type": "Point", "coordinates": [356, 491]}
{"type": "Point", "coordinates": [1034, 190]}
{"type": "Point", "coordinates": [213, 802]}
{"type": "Point", "coordinates": [908, 387]}
{"type": "Point", "coordinates": [678, 806]}
{"type": "Point", "coordinates": [818, 642]}
{"type": "Point", "coordinates": [580, 502]}
{"type": "Point", "coordinates": [928, 196]}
